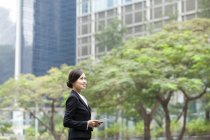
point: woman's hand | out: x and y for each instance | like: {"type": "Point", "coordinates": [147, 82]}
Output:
{"type": "Point", "coordinates": [94, 123]}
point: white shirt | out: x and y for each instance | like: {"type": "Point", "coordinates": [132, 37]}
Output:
{"type": "Point", "coordinates": [83, 98]}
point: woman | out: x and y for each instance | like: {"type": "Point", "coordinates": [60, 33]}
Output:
{"type": "Point", "coordinates": [78, 114]}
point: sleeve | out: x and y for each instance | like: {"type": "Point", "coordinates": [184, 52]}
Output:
{"type": "Point", "coordinates": [68, 120]}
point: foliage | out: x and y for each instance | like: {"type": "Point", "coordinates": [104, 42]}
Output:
{"type": "Point", "coordinates": [139, 129]}
{"type": "Point", "coordinates": [204, 8]}
{"type": "Point", "coordinates": [111, 36]}
{"type": "Point", "coordinates": [42, 94]}
{"type": "Point", "coordinates": [198, 127]}
{"type": "Point", "coordinates": [149, 70]}
{"type": "Point", "coordinates": [5, 128]}
{"type": "Point", "coordinates": [159, 131]}
{"type": "Point", "coordinates": [133, 79]}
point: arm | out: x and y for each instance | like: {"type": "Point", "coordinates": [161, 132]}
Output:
{"type": "Point", "coordinates": [68, 121]}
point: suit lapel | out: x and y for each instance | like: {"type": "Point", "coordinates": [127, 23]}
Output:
{"type": "Point", "coordinates": [81, 100]}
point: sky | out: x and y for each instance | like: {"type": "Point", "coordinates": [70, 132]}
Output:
{"type": "Point", "coordinates": [11, 6]}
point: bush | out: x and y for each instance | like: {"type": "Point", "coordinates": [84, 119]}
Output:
{"type": "Point", "coordinates": [139, 129]}
{"type": "Point", "coordinates": [198, 127]}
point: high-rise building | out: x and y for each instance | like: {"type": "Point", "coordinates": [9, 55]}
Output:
{"type": "Point", "coordinates": [45, 38]}
{"type": "Point", "coordinates": [48, 35]}
{"type": "Point", "coordinates": [140, 17]}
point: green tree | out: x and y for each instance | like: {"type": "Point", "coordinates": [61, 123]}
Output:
{"type": "Point", "coordinates": [148, 71]}
{"type": "Point", "coordinates": [204, 8]}
{"type": "Point", "coordinates": [42, 94]}
{"type": "Point", "coordinates": [110, 36]}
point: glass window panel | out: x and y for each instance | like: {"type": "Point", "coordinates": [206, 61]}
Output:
{"type": "Point", "coordinates": [157, 2]}
{"type": "Point", "coordinates": [101, 15]}
{"type": "Point", "coordinates": [190, 5]}
{"type": "Point", "coordinates": [84, 50]}
{"type": "Point", "coordinates": [84, 40]}
{"type": "Point", "coordinates": [110, 13]}
{"type": "Point", "coordinates": [158, 12]}
{"type": "Point", "coordinates": [128, 1]}
{"type": "Point", "coordinates": [84, 19]}
{"type": "Point", "coordinates": [128, 19]}
{"type": "Point", "coordinates": [138, 6]}
{"type": "Point", "coordinates": [84, 6]}
{"type": "Point", "coordinates": [183, 6]}
{"type": "Point", "coordinates": [138, 17]}
{"type": "Point", "coordinates": [101, 25]}
{"type": "Point", "coordinates": [128, 8]}
{"type": "Point", "coordinates": [168, 10]}
{"type": "Point", "coordinates": [100, 49]}
{"type": "Point", "coordinates": [84, 29]}
{"type": "Point", "coordinates": [110, 3]}
{"type": "Point", "coordinates": [157, 25]}
{"type": "Point", "coordinates": [139, 29]}
{"type": "Point", "coordinates": [130, 30]}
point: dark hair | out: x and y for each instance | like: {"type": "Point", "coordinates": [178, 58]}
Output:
{"type": "Point", "coordinates": [73, 76]}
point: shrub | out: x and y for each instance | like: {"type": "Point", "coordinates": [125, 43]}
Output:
{"type": "Point", "coordinates": [198, 127]}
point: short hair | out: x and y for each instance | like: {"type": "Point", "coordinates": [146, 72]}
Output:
{"type": "Point", "coordinates": [73, 77]}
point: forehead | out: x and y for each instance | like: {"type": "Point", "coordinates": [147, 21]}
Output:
{"type": "Point", "coordinates": [83, 75]}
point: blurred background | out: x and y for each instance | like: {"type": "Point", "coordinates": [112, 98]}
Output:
{"type": "Point", "coordinates": [147, 64]}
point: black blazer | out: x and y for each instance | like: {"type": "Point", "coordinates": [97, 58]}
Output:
{"type": "Point", "coordinates": [76, 116]}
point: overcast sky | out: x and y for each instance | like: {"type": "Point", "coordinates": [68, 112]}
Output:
{"type": "Point", "coordinates": [11, 6]}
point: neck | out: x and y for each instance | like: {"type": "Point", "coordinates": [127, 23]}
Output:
{"type": "Point", "coordinates": [76, 90]}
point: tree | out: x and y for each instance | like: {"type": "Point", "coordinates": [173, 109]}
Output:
{"type": "Point", "coordinates": [151, 68]}
{"type": "Point", "coordinates": [110, 36]}
{"type": "Point", "coordinates": [205, 10]}
{"type": "Point", "coordinates": [44, 93]}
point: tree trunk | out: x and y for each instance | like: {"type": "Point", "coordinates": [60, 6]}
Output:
{"type": "Point", "coordinates": [207, 115]}
{"type": "Point", "coordinates": [52, 123]}
{"type": "Point", "coordinates": [147, 133]}
{"type": "Point", "coordinates": [185, 108]}
{"type": "Point", "coordinates": [167, 123]}
{"type": "Point", "coordinates": [164, 101]}
{"type": "Point", "coordinates": [147, 117]}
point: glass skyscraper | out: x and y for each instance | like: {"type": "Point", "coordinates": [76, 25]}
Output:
{"type": "Point", "coordinates": [48, 35]}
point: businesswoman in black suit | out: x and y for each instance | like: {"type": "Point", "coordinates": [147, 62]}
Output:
{"type": "Point", "coordinates": [78, 113]}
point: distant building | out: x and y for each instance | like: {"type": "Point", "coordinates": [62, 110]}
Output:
{"type": "Point", "coordinates": [45, 38]}
{"type": "Point", "coordinates": [48, 35]}
{"type": "Point", "coordinates": [140, 17]}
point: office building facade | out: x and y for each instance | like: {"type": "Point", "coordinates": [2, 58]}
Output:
{"type": "Point", "coordinates": [45, 38]}
{"type": "Point", "coordinates": [140, 17]}
{"type": "Point", "coordinates": [48, 35]}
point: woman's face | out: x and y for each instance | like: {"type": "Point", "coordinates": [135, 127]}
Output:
{"type": "Point", "coordinates": [81, 83]}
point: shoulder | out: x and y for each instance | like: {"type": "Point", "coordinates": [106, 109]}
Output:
{"type": "Point", "coordinates": [72, 98]}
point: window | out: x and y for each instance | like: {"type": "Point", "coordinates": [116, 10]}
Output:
{"type": "Point", "coordinates": [157, 2]}
{"type": "Point", "coordinates": [84, 50]}
{"type": "Point", "coordinates": [110, 3]}
{"type": "Point", "coordinates": [158, 12]}
{"type": "Point", "coordinates": [84, 6]}
{"type": "Point", "coordinates": [128, 8]}
{"type": "Point", "coordinates": [128, 19]}
{"type": "Point", "coordinates": [127, 1]}
{"type": "Point", "coordinates": [138, 17]}
{"type": "Point", "coordinates": [84, 29]}
{"type": "Point", "coordinates": [139, 28]}
{"type": "Point", "coordinates": [190, 5]}
{"type": "Point", "coordinates": [138, 6]}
